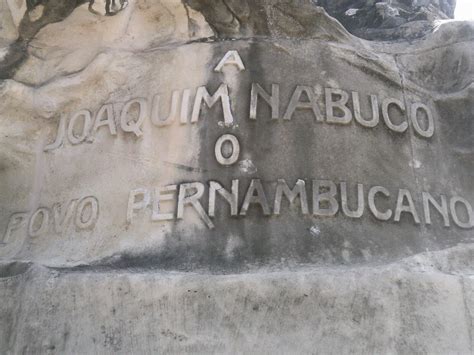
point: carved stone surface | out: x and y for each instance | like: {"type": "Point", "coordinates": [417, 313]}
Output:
{"type": "Point", "coordinates": [389, 20]}
{"type": "Point", "coordinates": [236, 176]}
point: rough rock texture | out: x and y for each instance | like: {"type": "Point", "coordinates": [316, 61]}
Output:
{"type": "Point", "coordinates": [420, 305]}
{"type": "Point", "coordinates": [389, 20]}
{"type": "Point", "coordinates": [370, 19]}
{"type": "Point", "coordinates": [259, 282]}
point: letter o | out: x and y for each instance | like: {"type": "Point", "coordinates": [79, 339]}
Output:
{"type": "Point", "coordinates": [85, 130]}
{"type": "Point", "coordinates": [470, 214]}
{"type": "Point", "coordinates": [428, 133]}
{"type": "Point", "coordinates": [94, 212]}
{"type": "Point", "coordinates": [44, 222]}
{"type": "Point", "coordinates": [235, 149]}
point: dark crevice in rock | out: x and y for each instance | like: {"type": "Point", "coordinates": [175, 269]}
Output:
{"type": "Point", "coordinates": [16, 55]}
{"type": "Point", "coordinates": [112, 7]}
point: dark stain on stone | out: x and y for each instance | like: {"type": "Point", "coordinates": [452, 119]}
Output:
{"type": "Point", "coordinates": [13, 269]}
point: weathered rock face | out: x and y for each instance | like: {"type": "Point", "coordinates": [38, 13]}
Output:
{"type": "Point", "coordinates": [390, 20]}
{"type": "Point", "coordinates": [370, 19]}
{"type": "Point", "coordinates": [233, 176]}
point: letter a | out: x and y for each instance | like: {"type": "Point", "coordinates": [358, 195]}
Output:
{"type": "Point", "coordinates": [230, 58]}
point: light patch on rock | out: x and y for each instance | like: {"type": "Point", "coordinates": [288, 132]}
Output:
{"type": "Point", "coordinates": [351, 12]}
{"type": "Point", "coordinates": [3, 53]}
{"type": "Point", "coordinates": [415, 164]}
{"type": "Point", "coordinates": [385, 10]}
{"type": "Point", "coordinates": [36, 13]}
{"type": "Point", "coordinates": [315, 231]}
{"type": "Point", "coordinates": [247, 166]}
{"type": "Point", "coordinates": [233, 243]}
{"type": "Point", "coordinates": [17, 10]}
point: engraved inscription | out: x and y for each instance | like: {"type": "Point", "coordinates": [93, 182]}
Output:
{"type": "Point", "coordinates": [82, 214]}
{"type": "Point", "coordinates": [340, 107]}
{"type": "Point", "coordinates": [320, 198]}
{"type": "Point", "coordinates": [329, 199]}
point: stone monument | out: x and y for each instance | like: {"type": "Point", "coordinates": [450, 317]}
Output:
{"type": "Point", "coordinates": [224, 176]}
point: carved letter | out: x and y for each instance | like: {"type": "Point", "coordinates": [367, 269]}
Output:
{"type": "Point", "coordinates": [410, 208]}
{"type": "Point", "coordinates": [234, 156]}
{"type": "Point", "coordinates": [383, 216]}
{"type": "Point", "coordinates": [131, 125]}
{"type": "Point", "coordinates": [185, 106]}
{"type": "Point", "coordinates": [230, 58]}
{"type": "Point", "coordinates": [32, 232]}
{"type": "Point", "coordinates": [441, 208]}
{"type": "Point", "coordinates": [428, 133]}
{"type": "Point", "coordinates": [133, 204]}
{"type": "Point", "coordinates": [222, 93]}
{"type": "Point", "coordinates": [357, 111]}
{"type": "Point", "coordinates": [230, 197]}
{"type": "Point", "coordinates": [298, 190]}
{"type": "Point", "coordinates": [162, 194]}
{"type": "Point", "coordinates": [273, 100]}
{"type": "Point", "coordinates": [59, 135]}
{"type": "Point", "coordinates": [61, 220]}
{"type": "Point", "coordinates": [328, 198]}
{"type": "Point", "coordinates": [108, 110]}
{"type": "Point", "coordinates": [14, 223]}
{"type": "Point", "coordinates": [470, 214]}
{"type": "Point", "coordinates": [193, 200]}
{"type": "Point", "coordinates": [155, 111]}
{"type": "Point", "coordinates": [85, 128]}
{"type": "Point", "coordinates": [340, 104]}
{"type": "Point", "coordinates": [360, 201]}
{"type": "Point", "coordinates": [91, 220]}
{"type": "Point", "coordinates": [260, 198]}
{"type": "Point", "coordinates": [402, 127]}
{"type": "Point", "coordinates": [296, 103]}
